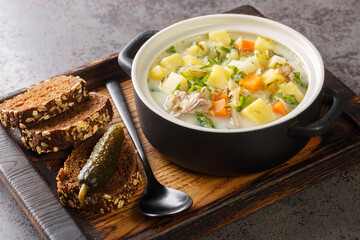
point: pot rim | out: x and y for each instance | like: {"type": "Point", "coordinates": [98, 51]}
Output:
{"type": "Point", "coordinates": [293, 40]}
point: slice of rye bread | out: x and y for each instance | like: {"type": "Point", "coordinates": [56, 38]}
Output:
{"type": "Point", "coordinates": [43, 101]}
{"type": "Point", "coordinates": [70, 127]}
{"type": "Point", "coordinates": [118, 191]}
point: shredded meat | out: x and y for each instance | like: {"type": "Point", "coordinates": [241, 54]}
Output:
{"type": "Point", "coordinates": [180, 102]}
{"type": "Point", "coordinates": [285, 70]}
{"type": "Point", "coordinates": [291, 76]}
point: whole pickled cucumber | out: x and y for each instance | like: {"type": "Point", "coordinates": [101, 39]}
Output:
{"type": "Point", "coordinates": [102, 162]}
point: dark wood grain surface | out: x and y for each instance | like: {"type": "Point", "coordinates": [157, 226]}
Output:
{"type": "Point", "coordinates": [217, 201]}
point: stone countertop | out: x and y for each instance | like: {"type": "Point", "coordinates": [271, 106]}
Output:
{"type": "Point", "coordinates": [42, 38]}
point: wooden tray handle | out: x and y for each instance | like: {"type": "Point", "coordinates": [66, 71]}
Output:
{"type": "Point", "coordinates": [33, 194]}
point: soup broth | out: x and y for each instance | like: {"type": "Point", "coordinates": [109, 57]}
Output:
{"type": "Point", "coordinates": [227, 80]}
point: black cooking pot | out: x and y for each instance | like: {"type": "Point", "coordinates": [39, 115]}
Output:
{"type": "Point", "coordinates": [229, 152]}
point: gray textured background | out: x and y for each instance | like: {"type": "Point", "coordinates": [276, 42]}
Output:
{"type": "Point", "coordinates": [41, 38]}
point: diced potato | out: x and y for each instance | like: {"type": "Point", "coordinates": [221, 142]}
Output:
{"type": "Point", "coordinates": [276, 60]}
{"type": "Point", "coordinates": [262, 44]}
{"type": "Point", "coordinates": [291, 88]}
{"type": "Point", "coordinates": [245, 66]}
{"type": "Point", "coordinates": [220, 36]}
{"type": "Point", "coordinates": [198, 49]}
{"type": "Point", "coordinates": [191, 60]}
{"type": "Point", "coordinates": [218, 78]}
{"type": "Point", "coordinates": [271, 76]}
{"type": "Point", "coordinates": [173, 81]}
{"type": "Point", "coordinates": [172, 62]}
{"type": "Point", "coordinates": [259, 112]}
{"type": "Point", "coordinates": [158, 73]}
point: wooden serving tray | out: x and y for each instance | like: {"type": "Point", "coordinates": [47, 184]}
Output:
{"type": "Point", "coordinates": [217, 200]}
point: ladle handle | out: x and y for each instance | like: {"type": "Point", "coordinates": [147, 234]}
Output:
{"type": "Point", "coordinates": [117, 96]}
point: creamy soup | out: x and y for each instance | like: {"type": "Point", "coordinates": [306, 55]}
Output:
{"type": "Point", "coordinates": [227, 80]}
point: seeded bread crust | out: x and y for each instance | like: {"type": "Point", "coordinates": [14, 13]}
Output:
{"type": "Point", "coordinates": [24, 118]}
{"type": "Point", "coordinates": [43, 140]}
{"type": "Point", "coordinates": [119, 190]}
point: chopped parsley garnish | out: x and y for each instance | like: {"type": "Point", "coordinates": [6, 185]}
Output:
{"type": "Point", "coordinates": [177, 87]}
{"type": "Point", "coordinates": [211, 61]}
{"type": "Point", "coordinates": [232, 41]}
{"type": "Point", "coordinates": [206, 77]}
{"type": "Point", "coordinates": [217, 59]}
{"type": "Point", "coordinates": [235, 69]}
{"type": "Point", "coordinates": [291, 101]}
{"type": "Point", "coordinates": [204, 121]}
{"type": "Point", "coordinates": [188, 77]}
{"type": "Point", "coordinates": [237, 75]}
{"type": "Point", "coordinates": [298, 80]}
{"type": "Point", "coordinates": [276, 97]}
{"type": "Point", "coordinates": [171, 50]}
{"type": "Point", "coordinates": [243, 103]}
{"type": "Point", "coordinates": [271, 98]}
{"type": "Point", "coordinates": [200, 83]}
{"type": "Point", "coordinates": [196, 83]}
{"type": "Point", "coordinates": [193, 88]}
{"type": "Point", "coordinates": [206, 66]}
{"type": "Point", "coordinates": [278, 65]}
{"type": "Point", "coordinates": [225, 49]}
{"type": "Point", "coordinates": [188, 83]}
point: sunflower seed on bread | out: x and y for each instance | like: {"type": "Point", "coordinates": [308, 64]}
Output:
{"type": "Point", "coordinates": [118, 191]}
{"type": "Point", "coordinates": [70, 127]}
{"type": "Point", "coordinates": [43, 101]}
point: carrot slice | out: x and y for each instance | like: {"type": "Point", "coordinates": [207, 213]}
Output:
{"type": "Point", "coordinates": [221, 95]}
{"type": "Point", "coordinates": [252, 82]}
{"type": "Point", "coordinates": [245, 45]}
{"type": "Point", "coordinates": [279, 107]}
{"type": "Point", "coordinates": [219, 108]}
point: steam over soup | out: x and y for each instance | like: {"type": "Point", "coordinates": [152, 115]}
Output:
{"type": "Point", "coordinates": [227, 80]}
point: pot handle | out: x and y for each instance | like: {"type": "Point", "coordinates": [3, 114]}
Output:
{"type": "Point", "coordinates": [128, 53]}
{"type": "Point", "coordinates": [319, 127]}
